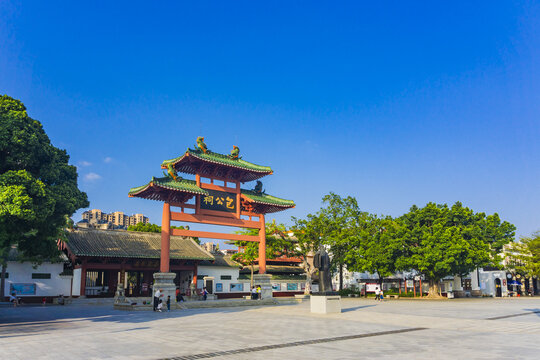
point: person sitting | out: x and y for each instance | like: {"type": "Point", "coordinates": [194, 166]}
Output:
{"type": "Point", "coordinates": [160, 305]}
{"type": "Point", "coordinates": [13, 298]}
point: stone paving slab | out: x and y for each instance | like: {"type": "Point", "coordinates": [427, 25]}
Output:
{"type": "Point", "coordinates": [454, 329]}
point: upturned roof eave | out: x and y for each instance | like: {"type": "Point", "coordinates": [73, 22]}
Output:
{"type": "Point", "coordinates": [241, 165]}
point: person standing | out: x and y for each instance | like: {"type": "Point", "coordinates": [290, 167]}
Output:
{"type": "Point", "coordinates": [157, 295]}
{"type": "Point", "coordinates": [381, 295]}
{"type": "Point", "coordinates": [205, 294]}
{"type": "Point", "coordinates": [169, 303]}
{"type": "Point", "coordinates": [259, 292]}
{"type": "Point", "coordinates": [254, 293]}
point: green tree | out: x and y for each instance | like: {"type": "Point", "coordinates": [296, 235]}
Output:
{"type": "Point", "coordinates": [142, 227]}
{"type": "Point", "coordinates": [377, 248]}
{"type": "Point", "coordinates": [524, 256]}
{"type": "Point", "coordinates": [277, 244]}
{"type": "Point", "coordinates": [308, 233]}
{"type": "Point", "coordinates": [153, 228]}
{"type": "Point", "coordinates": [441, 241]}
{"type": "Point", "coordinates": [38, 188]}
{"type": "Point", "coordinates": [339, 218]}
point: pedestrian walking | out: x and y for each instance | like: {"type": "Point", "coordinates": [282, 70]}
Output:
{"type": "Point", "coordinates": [381, 295]}
{"type": "Point", "coordinates": [205, 294]}
{"type": "Point", "coordinates": [259, 292]}
{"type": "Point", "coordinates": [377, 293]}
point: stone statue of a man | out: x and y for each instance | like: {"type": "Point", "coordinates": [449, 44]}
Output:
{"type": "Point", "coordinates": [321, 261]}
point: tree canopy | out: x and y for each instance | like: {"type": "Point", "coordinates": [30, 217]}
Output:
{"type": "Point", "coordinates": [153, 228]}
{"type": "Point", "coordinates": [442, 241]}
{"type": "Point", "coordinates": [277, 244]}
{"type": "Point", "coordinates": [524, 256]}
{"type": "Point", "coordinates": [38, 187]}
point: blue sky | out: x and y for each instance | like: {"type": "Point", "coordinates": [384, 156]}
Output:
{"type": "Point", "coordinates": [395, 104]}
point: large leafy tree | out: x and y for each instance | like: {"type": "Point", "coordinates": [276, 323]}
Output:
{"type": "Point", "coordinates": [308, 233]}
{"type": "Point", "coordinates": [277, 244]}
{"type": "Point", "coordinates": [377, 248]}
{"type": "Point", "coordinates": [339, 219]}
{"type": "Point", "coordinates": [441, 240]}
{"type": "Point", "coordinates": [38, 188]}
{"type": "Point", "coordinates": [153, 228]}
{"type": "Point", "coordinates": [524, 256]}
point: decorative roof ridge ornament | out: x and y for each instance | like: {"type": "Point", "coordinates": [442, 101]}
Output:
{"type": "Point", "coordinates": [258, 189]}
{"type": "Point", "coordinates": [201, 145]}
{"type": "Point", "coordinates": [171, 172]}
{"type": "Point", "coordinates": [235, 152]}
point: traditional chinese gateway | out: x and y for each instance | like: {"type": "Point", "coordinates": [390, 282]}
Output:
{"type": "Point", "coordinates": [215, 197]}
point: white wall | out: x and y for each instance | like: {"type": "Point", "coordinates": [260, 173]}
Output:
{"type": "Point", "coordinates": [216, 272]}
{"type": "Point", "coordinates": [22, 273]}
{"type": "Point", "coordinates": [76, 290]}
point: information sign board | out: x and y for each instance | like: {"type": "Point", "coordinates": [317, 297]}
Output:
{"type": "Point", "coordinates": [23, 289]}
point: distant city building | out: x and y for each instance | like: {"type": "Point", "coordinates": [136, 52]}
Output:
{"type": "Point", "coordinates": [97, 219]}
{"type": "Point", "coordinates": [210, 247]}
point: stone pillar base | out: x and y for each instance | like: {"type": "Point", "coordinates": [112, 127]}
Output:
{"type": "Point", "coordinates": [264, 281]}
{"type": "Point", "coordinates": [165, 282]}
{"type": "Point", "coordinates": [324, 304]}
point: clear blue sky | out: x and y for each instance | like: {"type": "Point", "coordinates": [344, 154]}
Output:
{"type": "Point", "coordinates": [395, 104]}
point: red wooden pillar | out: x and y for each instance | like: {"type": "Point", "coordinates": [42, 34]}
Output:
{"type": "Point", "coordinates": [165, 238]}
{"type": "Point", "coordinates": [420, 287]}
{"type": "Point", "coordinates": [399, 286]}
{"type": "Point", "coordinates": [198, 197]}
{"type": "Point", "coordinates": [414, 287]}
{"type": "Point", "coordinates": [262, 246]}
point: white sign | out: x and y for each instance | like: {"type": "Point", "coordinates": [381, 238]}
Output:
{"type": "Point", "coordinates": [410, 283]}
{"type": "Point", "coordinates": [371, 287]}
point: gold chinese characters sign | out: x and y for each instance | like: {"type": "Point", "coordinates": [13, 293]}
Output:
{"type": "Point", "coordinates": [219, 201]}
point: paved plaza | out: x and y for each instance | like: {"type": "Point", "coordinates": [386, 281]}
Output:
{"type": "Point", "coordinates": [404, 329]}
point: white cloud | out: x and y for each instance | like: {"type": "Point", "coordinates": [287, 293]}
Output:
{"type": "Point", "coordinates": [108, 160]}
{"type": "Point", "coordinates": [92, 177]}
{"type": "Point", "coordinates": [84, 163]}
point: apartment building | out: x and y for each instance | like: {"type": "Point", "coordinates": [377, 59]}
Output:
{"type": "Point", "coordinates": [96, 218]}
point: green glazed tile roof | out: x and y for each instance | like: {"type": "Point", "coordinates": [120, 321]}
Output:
{"type": "Point", "coordinates": [131, 244]}
{"type": "Point", "coordinates": [166, 189]}
{"type": "Point", "coordinates": [266, 199]}
{"type": "Point", "coordinates": [183, 185]}
{"type": "Point", "coordinates": [190, 162]}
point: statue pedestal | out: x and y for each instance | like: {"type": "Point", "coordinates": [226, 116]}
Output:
{"type": "Point", "coordinates": [266, 286]}
{"type": "Point", "coordinates": [165, 282]}
{"type": "Point", "coordinates": [325, 304]}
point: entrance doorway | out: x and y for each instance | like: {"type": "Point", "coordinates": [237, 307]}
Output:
{"type": "Point", "coordinates": [498, 288]}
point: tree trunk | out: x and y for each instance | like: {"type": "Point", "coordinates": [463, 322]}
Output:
{"type": "Point", "coordinates": [433, 289]}
{"type": "Point", "coordinates": [340, 276]}
{"type": "Point", "coordinates": [307, 289]}
{"type": "Point", "coordinates": [3, 281]}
